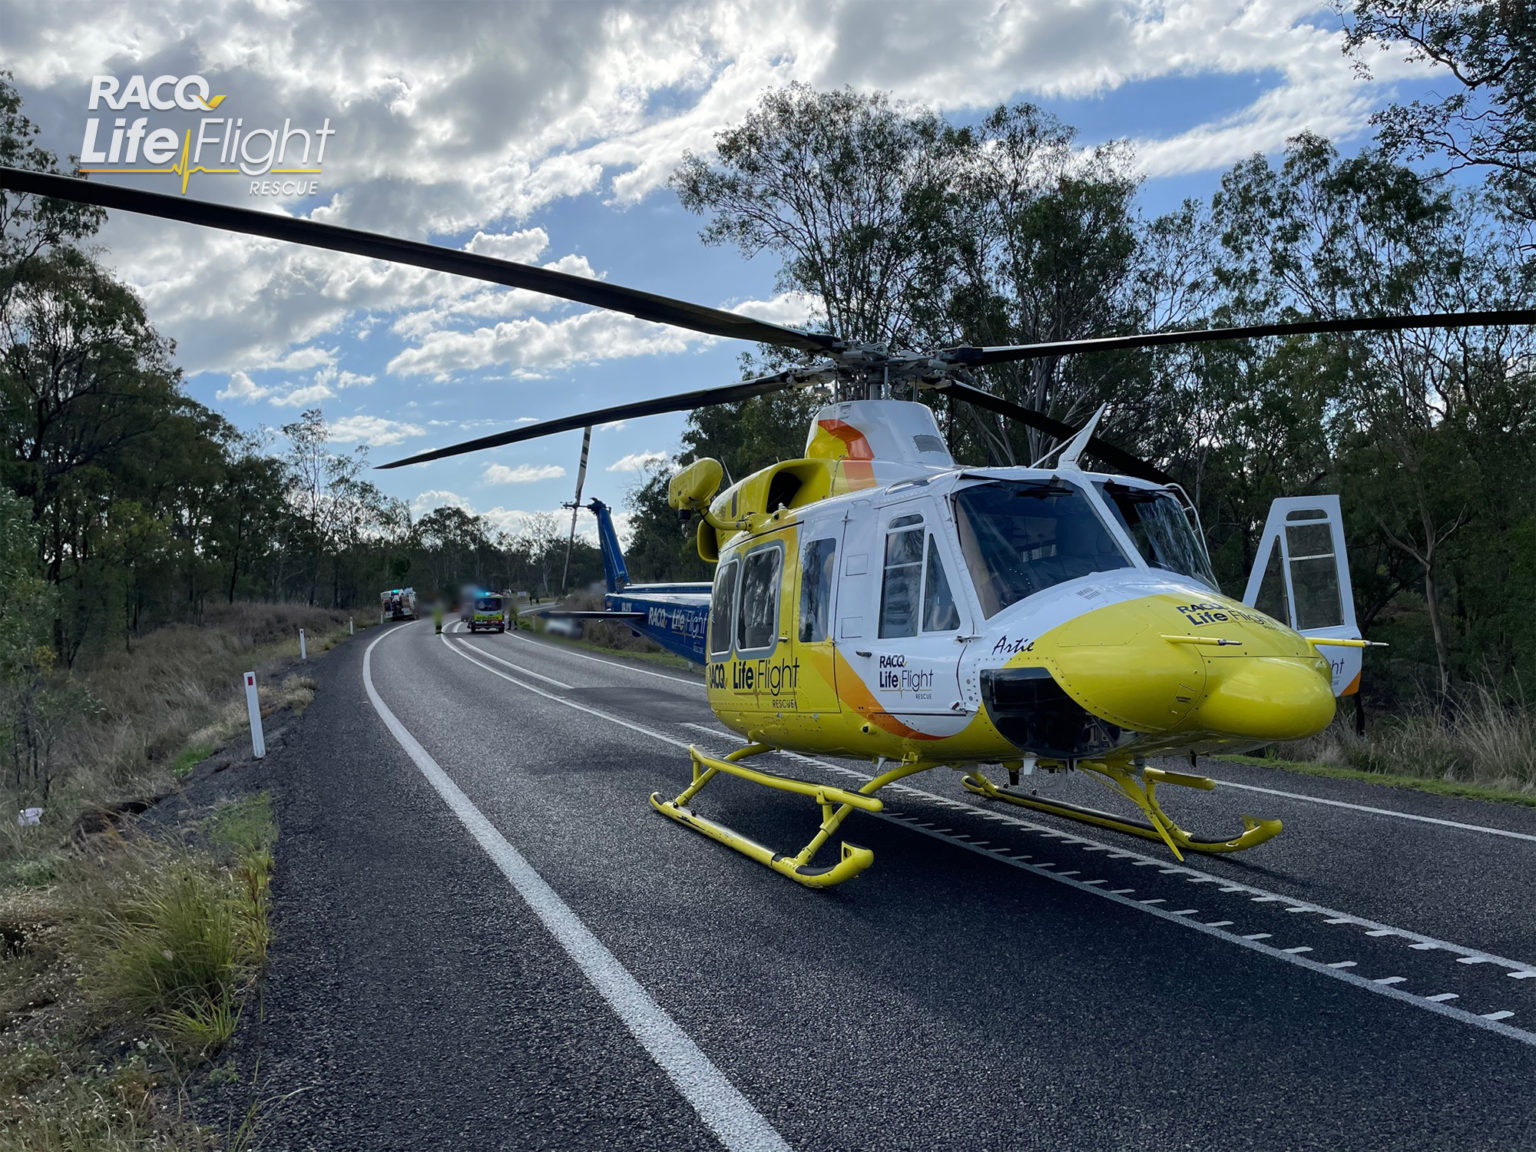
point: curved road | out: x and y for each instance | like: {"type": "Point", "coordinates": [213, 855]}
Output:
{"type": "Point", "coordinates": [487, 939]}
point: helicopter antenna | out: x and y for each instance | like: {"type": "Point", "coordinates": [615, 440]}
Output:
{"type": "Point", "coordinates": [581, 476]}
{"type": "Point", "coordinates": [1073, 448]}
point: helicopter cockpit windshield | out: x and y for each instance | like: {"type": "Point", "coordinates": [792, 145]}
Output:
{"type": "Point", "coordinates": [1155, 519]}
{"type": "Point", "coordinates": [1020, 537]}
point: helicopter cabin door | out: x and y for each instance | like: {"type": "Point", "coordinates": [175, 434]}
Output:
{"type": "Point", "coordinates": [898, 616]}
{"type": "Point", "coordinates": [1301, 576]}
{"type": "Point", "coordinates": [814, 625]}
{"type": "Point", "coordinates": [763, 675]}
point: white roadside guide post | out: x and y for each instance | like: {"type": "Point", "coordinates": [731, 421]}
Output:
{"type": "Point", "coordinates": [351, 626]}
{"type": "Point", "coordinates": [303, 652]}
{"type": "Point", "coordinates": [253, 707]}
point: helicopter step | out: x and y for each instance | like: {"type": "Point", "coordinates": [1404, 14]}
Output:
{"type": "Point", "coordinates": [836, 804]}
{"type": "Point", "coordinates": [1142, 792]}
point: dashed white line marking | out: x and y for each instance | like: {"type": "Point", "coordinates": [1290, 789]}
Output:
{"type": "Point", "coordinates": [1340, 920]}
{"type": "Point", "coordinates": [1120, 891]}
{"type": "Point", "coordinates": [1497, 1015]}
{"type": "Point", "coordinates": [1291, 956]}
{"type": "Point", "coordinates": [1524, 975]}
{"type": "Point", "coordinates": [1119, 895]}
{"type": "Point", "coordinates": [1219, 923]}
{"type": "Point", "coordinates": [1298, 951]}
{"type": "Point", "coordinates": [1471, 959]}
{"type": "Point", "coordinates": [508, 664]}
{"type": "Point", "coordinates": [1442, 997]}
{"type": "Point", "coordinates": [1344, 964]}
{"type": "Point", "coordinates": [599, 660]}
{"type": "Point", "coordinates": [1186, 912]}
{"type": "Point", "coordinates": [1382, 932]}
{"type": "Point", "coordinates": [1382, 811]}
{"type": "Point", "coordinates": [1157, 900]}
{"type": "Point", "coordinates": [723, 1109]}
{"type": "Point", "coordinates": [1390, 980]}
{"type": "Point", "coordinates": [1259, 936]}
{"type": "Point", "coordinates": [1425, 946]}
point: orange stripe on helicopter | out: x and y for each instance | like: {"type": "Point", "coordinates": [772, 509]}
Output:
{"type": "Point", "coordinates": [856, 454]}
{"type": "Point", "coordinates": [855, 693]}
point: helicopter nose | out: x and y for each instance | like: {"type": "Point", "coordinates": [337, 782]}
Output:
{"type": "Point", "coordinates": [1264, 698]}
{"type": "Point", "coordinates": [1137, 671]}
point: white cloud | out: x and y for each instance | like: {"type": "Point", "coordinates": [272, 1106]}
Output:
{"type": "Point", "coordinates": [241, 387]}
{"type": "Point", "coordinates": [522, 474]}
{"type": "Point", "coordinates": [298, 397]}
{"type": "Point", "coordinates": [373, 430]}
{"type": "Point", "coordinates": [434, 498]}
{"type": "Point", "coordinates": [520, 246]}
{"type": "Point", "coordinates": [638, 461]}
{"type": "Point", "coordinates": [441, 138]}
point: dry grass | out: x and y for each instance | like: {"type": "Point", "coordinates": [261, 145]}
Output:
{"type": "Point", "coordinates": [132, 967]}
{"type": "Point", "coordinates": [123, 962]}
{"type": "Point", "coordinates": [1487, 739]}
{"type": "Point", "coordinates": [179, 689]}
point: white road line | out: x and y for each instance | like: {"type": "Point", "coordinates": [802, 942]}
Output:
{"type": "Point", "coordinates": [1497, 1015]}
{"type": "Point", "coordinates": [1443, 997]}
{"type": "Point", "coordinates": [1381, 811]}
{"type": "Point", "coordinates": [1345, 964]}
{"type": "Point", "coordinates": [726, 1112]}
{"type": "Point", "coordinates": [1518, 968]}
{"type": "Point", "coordinates": [1252, 942]}
{"type": "Point", "coordinates": [515, 667]}
{"type": "Point", "coordinates": [600, 660]}
{"type": "Point", "coordinates": [1390, 980]}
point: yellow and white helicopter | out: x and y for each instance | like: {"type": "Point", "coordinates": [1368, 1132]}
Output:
{"type": "Point", "coordinates": [873, 599]}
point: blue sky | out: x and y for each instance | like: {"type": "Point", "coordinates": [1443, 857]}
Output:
{"type": "Point", "coordinates": [545, 132]}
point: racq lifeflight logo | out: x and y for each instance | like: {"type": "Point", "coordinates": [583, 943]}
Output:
{"type": "Point", "coordinates": [219, 145]}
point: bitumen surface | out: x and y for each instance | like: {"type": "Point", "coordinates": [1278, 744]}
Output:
{"type": "Point", "coordinates": [493, 941]}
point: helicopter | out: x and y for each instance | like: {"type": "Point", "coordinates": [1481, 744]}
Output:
{"type": "Point", "coordinates": [876, 600]}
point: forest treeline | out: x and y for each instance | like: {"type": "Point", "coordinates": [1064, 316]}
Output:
{"type": "Point", "coordinates": [902, 227]}
{"type": "Point", "coordinates": [125, 504]}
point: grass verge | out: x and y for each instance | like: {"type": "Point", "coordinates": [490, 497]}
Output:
{"type": "Point", "coordinates": [127, 958]}
{"type": "Point", "coordinates": [1456, 788]}
{"type": "Point", "coordinates": [123, 976]}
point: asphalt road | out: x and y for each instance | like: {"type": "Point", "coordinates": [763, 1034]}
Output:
{"type": "Point", "coordinates": [488, 939]}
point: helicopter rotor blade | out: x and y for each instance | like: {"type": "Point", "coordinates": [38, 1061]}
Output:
{"type": "Point", "coordinates": [1117, 458]}
{"type": "Point", "coordinates": [679, 402]}
{"type": "Point", "coordinates": [972, 356]}
{"type": "Point", "coordinates": [581, 289]}
{"type": "Point", "coordinates": [581, 477]}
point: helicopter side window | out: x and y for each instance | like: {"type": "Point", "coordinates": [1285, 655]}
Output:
{"type": "Point", "coordinates": [757, 618]}
{"type": "Point", "coordinates": [1156, 521]}
{"type": "Point", "coordinates": [817, 565]}
{"type": "Point", "coordinates": [939, 611]}
{"type": "Point", "coordinates": [1020, 537]}
{"type": "Point", "coordinates": [902, 584]}
{"type": "Point", "coordinates": [722, 611]}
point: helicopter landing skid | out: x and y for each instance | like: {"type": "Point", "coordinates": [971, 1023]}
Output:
{"type": "Point", "coordinates": [835, 803]}
{"type": "Point", "coordinates": [1142, 792]}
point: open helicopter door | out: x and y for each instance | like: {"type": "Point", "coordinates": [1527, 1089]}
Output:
{"type": "Point", "coordinates": [1301, 576]}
